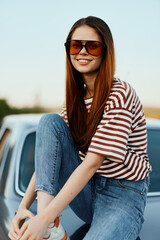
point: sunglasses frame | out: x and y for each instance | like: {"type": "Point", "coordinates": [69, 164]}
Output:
{"type": "Point", "coordinates": [67, 45]}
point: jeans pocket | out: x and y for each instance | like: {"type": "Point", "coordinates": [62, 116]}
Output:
{"type": "Point", "coordinates": [134, 194]}
{"type": "Point", "coordinates": [100, 184]}
{"type": "Point", "coordinates": [140, 187]}
{"type": "Point", "coordinates": [99, 188]}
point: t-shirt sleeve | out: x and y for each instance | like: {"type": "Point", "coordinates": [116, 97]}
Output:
{"type": "Point", "coordinates": [111, 136]}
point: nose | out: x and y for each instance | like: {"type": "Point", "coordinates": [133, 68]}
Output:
{"type": "Point", "coordinates": [83, 50]}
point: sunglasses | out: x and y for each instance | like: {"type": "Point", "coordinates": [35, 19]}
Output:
{"type": "Point", "coordinates": [94, 48]}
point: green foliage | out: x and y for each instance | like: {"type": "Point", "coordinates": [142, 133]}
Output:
{"type": "Point", "coordinates": [6, 109]}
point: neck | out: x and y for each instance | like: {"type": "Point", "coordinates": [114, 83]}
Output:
{"type": "Point", "coordinates": [89, 80]}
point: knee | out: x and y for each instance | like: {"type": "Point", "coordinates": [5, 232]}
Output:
{"type": "Point", "coordinates": [49, 120]}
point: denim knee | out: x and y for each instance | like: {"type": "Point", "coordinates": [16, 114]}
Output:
{"type": "Point", "coordinates": [49, 119]}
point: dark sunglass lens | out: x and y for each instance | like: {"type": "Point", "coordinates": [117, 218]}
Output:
{"type": "Point", "coordinates": [94, 47]}
{"type": "Point", "coordinates": [75, 47]}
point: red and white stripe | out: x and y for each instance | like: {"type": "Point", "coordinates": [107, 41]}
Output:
{"type": "Point", "coordinates": [121, 136]}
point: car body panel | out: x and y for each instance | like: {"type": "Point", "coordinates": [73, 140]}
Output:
{"type": "Point", "coordinates": [19, 129]}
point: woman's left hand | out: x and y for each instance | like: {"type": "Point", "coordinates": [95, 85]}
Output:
{"type": "Point", "coordinates": [33, 229]}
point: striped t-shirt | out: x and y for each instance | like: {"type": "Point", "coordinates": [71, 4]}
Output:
{"type": "Point", "coordinates": [121, 135]}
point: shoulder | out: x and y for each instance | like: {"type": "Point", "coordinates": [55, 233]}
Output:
{"type": "Point", "coordinates": [121, 94]}
{"type": "Point", "coordinates": [124, 88]}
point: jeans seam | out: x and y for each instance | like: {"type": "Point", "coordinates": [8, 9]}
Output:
{"type": "Point", "coordinates": [138, 218]}
{"type": "Point", "coordinates": [130, 188]}
{"type": "Point", "coordinates": [56, 160]}
{"type": "Point", "coordinates": [65, 135]}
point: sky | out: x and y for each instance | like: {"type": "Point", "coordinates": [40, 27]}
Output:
{"type": "Point", "coordinates": [32, 54]}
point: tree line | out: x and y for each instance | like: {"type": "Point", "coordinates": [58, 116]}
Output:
{"type": "Point", "coordinates": [6, 109]}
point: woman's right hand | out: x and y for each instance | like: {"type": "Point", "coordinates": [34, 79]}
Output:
{"type": "Point", "coordinates": [18, 221]}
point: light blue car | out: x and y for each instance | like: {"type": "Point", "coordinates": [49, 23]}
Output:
{"type": "Point", "coordinates": [151, 226]}
{"type": "Point", "coordinates": [17, 146]}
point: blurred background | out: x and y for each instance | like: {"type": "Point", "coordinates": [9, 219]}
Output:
{"type": "Point", "coordinates": [32, 54]}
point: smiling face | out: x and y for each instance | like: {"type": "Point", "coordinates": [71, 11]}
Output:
{"type": "Point", "coordinates": [85, 63]}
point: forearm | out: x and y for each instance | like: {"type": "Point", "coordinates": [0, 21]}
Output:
{"type": "Point", "coordinates": [79, 178]}
{"type": "Point", "coordinates": [30, 194]}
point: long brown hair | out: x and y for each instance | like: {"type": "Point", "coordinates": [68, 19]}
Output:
{"type": "Point", "coordinates": [81, 123]}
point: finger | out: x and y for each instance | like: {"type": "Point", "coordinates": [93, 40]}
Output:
{"type": "Point", "coordinates": [12, 232]}
{"type": "Point", "coordinates": [24, 237]}
{"type": "Point", "coordinates": [23, 229]}
{"type": "Point", "coordinates": [16, 228]}
{"type": "Point", "coordinates": [10, 235]}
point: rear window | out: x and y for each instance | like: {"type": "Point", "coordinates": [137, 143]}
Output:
{"type": "Point", "coordinates": [27, 161]}
{"type": "Point", "coordinates": [154, 157]}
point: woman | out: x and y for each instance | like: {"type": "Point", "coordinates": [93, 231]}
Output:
{"type": "Point", "coordinates": [100, 161]}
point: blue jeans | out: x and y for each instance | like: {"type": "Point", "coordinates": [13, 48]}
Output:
{"type": "Point", "coordinates": [113, 207]}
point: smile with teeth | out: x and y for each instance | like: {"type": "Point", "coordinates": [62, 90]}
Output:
{"type": "Point", "coordinates": [83, 60]}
